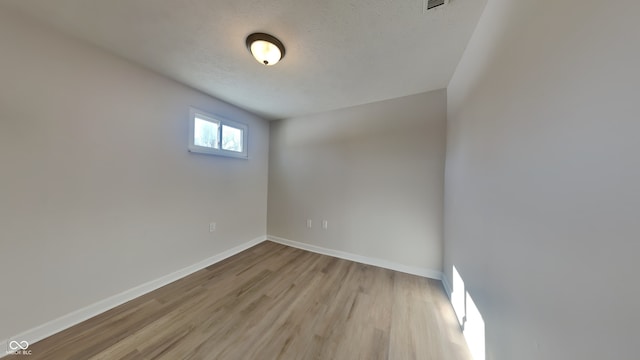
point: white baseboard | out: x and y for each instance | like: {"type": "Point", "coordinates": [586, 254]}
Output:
{"type": "Point", "coordinates": [449, 290]}
{"type": "Point", "coordinates": [52, 327]}
{"type": "Point", "coordinates": [447, 287]}
{"type": "Point", "coordinates": [78, 316]}
{"type": "Point", "coordinates": [424, 272]}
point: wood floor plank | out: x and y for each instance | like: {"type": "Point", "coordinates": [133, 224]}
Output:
{"type": "Point", "coordinates": [273, 302]}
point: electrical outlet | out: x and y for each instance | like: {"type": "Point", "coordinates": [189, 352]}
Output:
{"type": "Point", "coordinates": [212, 227]}
{"type": "Point", "coordinates": [309, 223]}
{"type": "Point", "coordinates": [325, 224]}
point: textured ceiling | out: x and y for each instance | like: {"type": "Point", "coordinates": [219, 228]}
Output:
{"type": "Point", "coordinates": [339, 52]}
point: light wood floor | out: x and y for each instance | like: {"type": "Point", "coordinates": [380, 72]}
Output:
{"type": "Point", "coordinates": [273, 302]}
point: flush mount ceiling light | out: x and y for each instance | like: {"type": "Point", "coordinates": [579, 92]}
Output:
{"type": "Point", "coordinates": [265, 48]}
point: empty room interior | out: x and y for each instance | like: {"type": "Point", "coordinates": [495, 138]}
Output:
{"type": "Point", "coordinates": [341, 179]}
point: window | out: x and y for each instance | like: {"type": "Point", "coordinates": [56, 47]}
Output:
{"type": "Point", "coordinates": [211, 134]}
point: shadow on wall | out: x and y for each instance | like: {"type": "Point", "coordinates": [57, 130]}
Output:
{"type": "Point", "coordinates": [469, 317]}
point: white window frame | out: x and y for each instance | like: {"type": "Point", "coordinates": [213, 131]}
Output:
{"type": "Point", "coordinates": [193, 112]}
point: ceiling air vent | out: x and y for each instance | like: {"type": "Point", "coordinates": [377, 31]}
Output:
{"type": "Point", "coordinates": [432, 4]}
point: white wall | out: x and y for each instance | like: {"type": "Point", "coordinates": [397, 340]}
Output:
{"type": "Point", "coordinates": [374, 171]}
{"type": "Point", "coordinates": [98, 193]}
{"type": "Point", "coordinates": [543, 178]}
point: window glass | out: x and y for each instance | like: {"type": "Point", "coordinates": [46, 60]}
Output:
{"type": "Point", "coordinates": [231, 138]}
{"type": "Point", "coordinates": [205, 133]}
{"type": "Point", "coordinates": [214, 135]}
